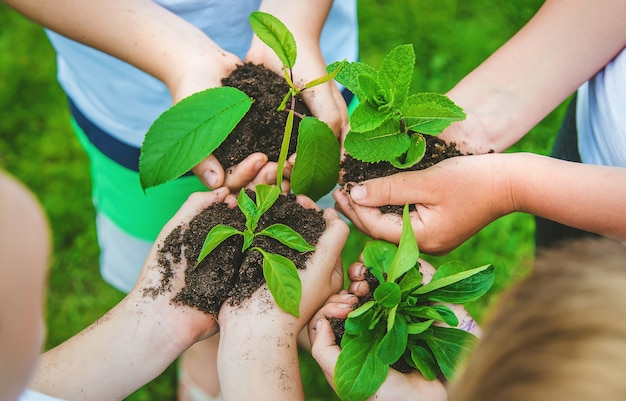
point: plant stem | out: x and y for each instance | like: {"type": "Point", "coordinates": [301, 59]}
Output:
{"type": "Point", "coordinates": [284, 148]}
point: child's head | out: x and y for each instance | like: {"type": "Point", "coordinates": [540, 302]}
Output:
{"type": "Point", "coordinates": [24, 252]}
{"type": "Point", "coordinates": [560, 334]}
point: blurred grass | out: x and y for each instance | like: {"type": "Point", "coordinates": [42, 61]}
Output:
{"type": "Point", "coordinates": [451, 37]}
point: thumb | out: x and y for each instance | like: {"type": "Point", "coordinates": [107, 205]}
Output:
{"type": "Point", "coordinates": [324, 349]}
{"type": "Point", "coordinates": [396, 189]}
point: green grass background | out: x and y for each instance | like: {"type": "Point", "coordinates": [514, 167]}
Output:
{"type": "Point", "coordinates": [451, 37]}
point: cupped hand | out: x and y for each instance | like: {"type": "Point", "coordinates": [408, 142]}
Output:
{"type": "Point", "coordinates": [184, 323]}
{"type": "Point", "coordinates": [451, 201]}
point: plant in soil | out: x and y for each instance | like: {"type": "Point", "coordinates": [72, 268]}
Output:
{"type": "Point", "coordinates": [198, 125]}
{"type": "Point", "coordinates": [397, 325]}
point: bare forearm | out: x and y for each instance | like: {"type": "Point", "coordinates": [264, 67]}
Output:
{"type": "Point", "coordinates": [564, 45]}
{"type": "Point", "coordinates": [584, 196]}
{"type": "Point", "coordinates": [109, 360]}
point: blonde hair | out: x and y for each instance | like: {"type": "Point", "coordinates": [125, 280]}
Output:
{"type": "Point", "coordinates": [560, 334]}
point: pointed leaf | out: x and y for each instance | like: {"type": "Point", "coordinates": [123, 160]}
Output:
{"type": "Point", "coordinates": [462, 287]}
{"type": "Point", "coordinates": [377, 256]}
{"type": "Point", "coordinates": [430, 113]}
{"type": "Point", "coordinates": [188, 132]}
{"type": "Point", "coordinates": [326, 77]}
{"type": "Point", "coordinates": [216, 236]}
{"type": "Point", "coordinates": [394, 343]}
{"type": "Point", "coordinates": [348, 76]}
{"type": "Point", "coordinates": [420, 327]}
{"type": "Point", "coordinates": [384, 143]}
{"type": "Point", "coordinates": [367, 116]}
{"type": "Point", "coordinates": [316, 170]}
{"type": "Point", "coordinates": [388, 295]}
{"type": "Point", "coordinates": [276, 35]}
{"type": "Point", "coordinates": [396, 73]}
{"type": "Point", "coordinates": [414, 153]}
{"type": "Point", "coordinates": [359, 320]}
{"type": "Point", "coordinates": [424, 361]}
{"type": "Point", "coordinates": [249, 210]}
{"type": "Point", "coordinates": [283, 281]}
{"type": "Point", "coordinates": [411, 280]}
{"type": "Point", "coordinates": [287, 236]}
{"type": "Point", "coordinates": [266, 196]}
{"type": "Point", "coordinates": [449, 346]}
{"type": "Point", "coordinates": [408, 252]}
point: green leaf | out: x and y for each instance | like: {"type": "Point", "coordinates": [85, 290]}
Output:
{"type": "Point", "coordinates": [186, 133]}
{"type": "Point", "coordinates": [368, 85]}
{"type": "Point", "coordinates": [447, 314]}
{"type": "Point", "coordinates": [276, 35]}
{"type": "Point", "coordinates": [424, 361]}
{"type": "Point", "coordinates": [326, 77]}
{"type": "Point", "coordinates": [367, 117]}
{"type": "Point", "coordinates": [316, 170]}
{"type": "Point", "coordinates": [423, 312]}
{"type": "Point", "coordinates": [216, 236]}
{"type": "Point", "coordinates": [348, 76]}
{"type": "Point", "coordinates": [249, 210]}
{"type": "Point", "coordinates": [361, 319]}
{"type": "Point", "coordinates": [411, 280]}
{"type": "Point", "coordinates": [383, 143]}
{"type": "Point", "coordinates": [248, 238]}
{"type": "Point", "coordinates": [420, 327]}
{"type": "Point", "coordinates": [377, 256]}
{"type": "Point", "coordinates": [283, 281]}
{"type": "Point", "coordinates": [455, 286]}
{"type": "Point", "coordinates": [287, 236]}
{"type": "Point", "coordinates": [396, 73]}
{"type": "Point", "coordinates": [266, 196]}
{"type": "Point", "coordinates": [388, 295]}
{"type": "Point", "coordinates": [393, 344]}
{"type": "Point", "coordinates": [359, 372]}
{"type": "Point", "coordinates": [414, 153]}
{"type": "Point", "coordinates": [430, 113]}
{"type": "Point", "coordinates": [408, 252]}
{"type": "Point", "coordinates": [449, 346]}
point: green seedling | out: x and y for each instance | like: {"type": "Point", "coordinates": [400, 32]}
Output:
{"type": "Point", "coordinates": [399, 322]}
{"type": "Point", "coordinates": [189, 131]}
{"type": "Point", "coordinates": [388, 123]}
{"type": "Point", "coordinates": [280, 273]}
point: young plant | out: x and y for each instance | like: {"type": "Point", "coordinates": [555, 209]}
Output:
{"type": "Point", "coordinates": [193, 128]}
{"type": "Point", "coordinates": [388, 123]}
{"type": "Point", "coordinates": [280, 273]}
{"type": "Point", "coordinates": [399, 322]}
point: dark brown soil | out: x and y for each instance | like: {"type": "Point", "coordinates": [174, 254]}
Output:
{"type": "Point", "coordinates": [262, 128]}
{"type": "Point", "coordinates": [227, 272]}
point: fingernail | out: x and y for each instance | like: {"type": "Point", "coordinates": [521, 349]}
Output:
{"type": "Point", "coordinates": [210, 178]}
{"type": "Point", "coordinates": [358, 192]}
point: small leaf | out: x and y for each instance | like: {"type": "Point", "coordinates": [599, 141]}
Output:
{"type": "Point", "coordinates": [377, 256]}
{"type": "Point", "coordinates": [447, 314]}
{"type": "Point", "coordinates": [396, 73]}
{"type": "Point", "coordinates": [411, 280]}
{"type": "Point", "coordinates": [430, 113]}
{"type": "Point", "coordinates": [248, 238]}
{"type": "Point", "coordinates": [186, 133]}
{"type": "Point", "coordinates": [316, 170]}
{"type": "Point", "coordinates": [414, 153]}
{"type": "Point", "coordinates": [449, 346]}
{"type": "Point", "coordinates": [394, 343]}
{"type": "Point", "coordinates": [283, 281]}
{"type": "Point", "coordinates": [461, 287]}
{"type": "Point", "coordinates": [249, 210]}
{"type": "Point", "coordinates": [388, 295]}
{"type": "Point", "coordinates": [408, 252]}
{"type": "Point", "coordinates": [359, 372]}
{"type": "Point", "coordinates": [367, 117]}
{"type": "Point", "coordinates": [420, 327]}
{"type": "Point", "coordinates": [276, 35]}
{"type": "Point", "coordinates": [360, 320]}
{"type": "Point", "coordinates": [368, 85]}
{"type": "Point", "coordinates": [287, 236]}
{"type": "Point", "coordinates": [326, 77]}
{"type": "Point", "coordinates": [349, 73]}
{"type": "Point", "coordinates": [423, 312]}
{"type": "Point", "coordinates": [266, 196]}
{"type": "Point", "coordinates": [384, 143]}
{"type": "Point", "coordinates": [216, 236]}
{"type": "Point", "coordinates": [424, 361]}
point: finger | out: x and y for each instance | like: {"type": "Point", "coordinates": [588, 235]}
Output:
{"type": "Point", "coordinates": [324, 349]}
{"type": "Point", "coordinates": [210, 172]}
{"type": "Point", "coordinates": [396, 189]}
{"type": "Point", "coordinates": [194, 204]}
{"type": "Point", "coordinates": [359, 288]}
{"type": "Point", "coordinates": [308, 203]}
{"type": "Point", "coordinates": [324, 105]}
{"type": "Point", "coordinates": [328, 250]}
{"type": "Point", "coordinates": [266, 175]}
{"type": "Point", "coordinates": [240, 175]}
{"type": "Point", "coordinates": [357, 271]}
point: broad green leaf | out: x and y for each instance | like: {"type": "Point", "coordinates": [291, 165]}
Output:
{"type": "Point", "coordinates": [423, 312]}
{"type": "Point", "coordinates": [377, 256]}
{"type": "Point", "coordinates": [430, 113]}
{"type": "Point", "coordinates": [420, 327]}
{"type": "Point", "coordinates": [447, 314]}
{"type": "Point", "coordinates": [449, 346]}
{"type": "Point", "coordinates": [216, 236]}
{"type": "Point", "coordinates": [266, 196]}
{"type": "Point", "coordinates": [283, 281]}
{"type": "Point", "coordinates": [348, 75]}
{"type": "Point", "coordinates": [384, 143]}
{"type": "Point", "coordinates": [249, 209]}
{"type": "Point", "coordinates": [396, 73]}
{"type": "Point", "coordinates": [411, 280]}
{"type": "Point", "coordinates": [368, 85]}
{"type": "Point", "coordinates": [361, 319]}
{"type": "Point", "coordinates": [276, 35]}
{"type": "Point", "coordinates": [393, 344]}
{"type": "Point", "coordinates": [287, 236]}
{"type": "Point", "coordinates": [408, 252]}
{"type": "Point", "coordinates": [367, 117]}
{"type": "Point", "coordinates": [462, 287]}
{"type": "Point", "coordinates": [316, 169]}
{"type": "Point", "coordinates": [326, 77]}
{"type": "Point", "coordinates": [359, 372]}
{"type": "Point", "coordinates": [388, 295]}
{"type": "Point", "coordinates": [186, 133]}
{"type": "Point", "coordinates": [414, 154]}
{"type": "Point", "coordinates": [424, 361]}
